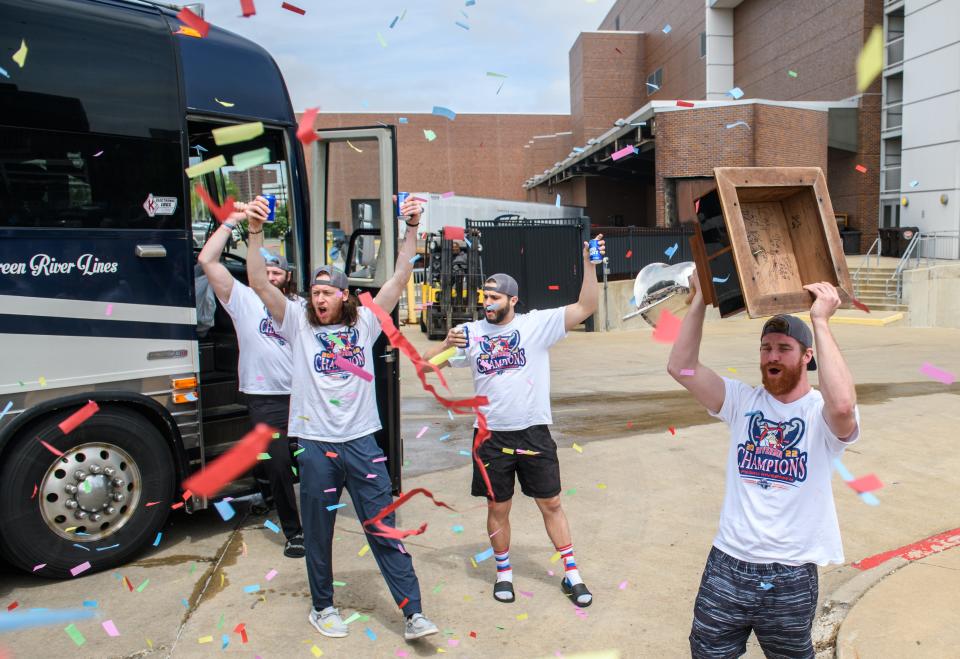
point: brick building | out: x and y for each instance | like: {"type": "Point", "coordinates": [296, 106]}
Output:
{"type": "Point", "coordinates": [795, 63]}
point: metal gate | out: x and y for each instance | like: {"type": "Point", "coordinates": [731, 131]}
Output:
{"type": "Point", "coordinates": [630, 249]}
{"type": "Point", "coordinates": [545, 256]}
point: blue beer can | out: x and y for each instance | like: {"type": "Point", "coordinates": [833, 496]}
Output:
{"type": "Point", "coordinates": [594, 248]}
{"type": "Point", "coordinates": [272, 202]}
{"type": "Point", "coordinates": [401, 197]}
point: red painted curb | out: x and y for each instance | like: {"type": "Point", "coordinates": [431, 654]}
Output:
{"type": "Point", "coordinates": [912, 552]}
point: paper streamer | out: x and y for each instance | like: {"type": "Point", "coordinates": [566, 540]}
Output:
{"type": "Point", "coordinates": [305, 132]}
{"type": "Point", "coordinates": [192, 20]}
{"type": "Point", "coordinates": [212, 478]}
{"type": "Point", "coordinates": [349, 366]}
{"type": "Point", "coordinates": [70, 424]}
{"type": "Point", "coordinates": [237, 133]}
{"type": "Point", "coordinates": [385, 531]}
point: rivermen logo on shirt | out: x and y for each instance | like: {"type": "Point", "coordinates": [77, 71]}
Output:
{"type": "Point", "coordinates": [770, 454]}
{"type": "Point", "coordinates": [342, 343]}
{"type": "Point", "coordinates": [268, 329]}
{"type": "Point", "coordinates": [500, 353]}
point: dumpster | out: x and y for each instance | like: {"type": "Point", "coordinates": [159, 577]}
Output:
{"type": "Point", "coordinates": [851, 241]}
{"type": "Point", "coordinates": [894, 240]}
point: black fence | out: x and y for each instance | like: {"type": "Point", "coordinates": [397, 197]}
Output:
{"type": "Point", "coordinates": [545, 256]}
{"type": "Point", "coordinates": [630, 249]}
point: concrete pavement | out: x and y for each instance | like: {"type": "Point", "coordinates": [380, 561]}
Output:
{"type": "Point", "coordinates": [643, 504]}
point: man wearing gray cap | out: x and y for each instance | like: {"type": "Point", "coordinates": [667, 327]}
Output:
{"type": "Point", "coordinates": [333, 414]}
{"type": "Point", "coordinates": [778, 521]}
{"type": "Point", "coordinates": [508, 354]}
{"type": "Point", "coordinates": [264, 370]}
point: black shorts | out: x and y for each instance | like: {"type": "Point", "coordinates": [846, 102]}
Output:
{"type": "Point", "coordinates": [538, 470]}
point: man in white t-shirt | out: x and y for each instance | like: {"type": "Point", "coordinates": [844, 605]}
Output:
{"type": "Point", "coordinates": [265, 365]}
{"type": "Point", "coordinates": [508, 354]}
{"type": "Point", "coordinates": [778, 521]}
{"type": "Point", "coordinates": [333, 414]}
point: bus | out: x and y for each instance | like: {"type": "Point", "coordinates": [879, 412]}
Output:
{"type": "Point", "coordinates": [99, 232]}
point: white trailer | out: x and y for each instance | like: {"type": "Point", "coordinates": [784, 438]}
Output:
{"type": "Point", "coordinates": [453, 210]}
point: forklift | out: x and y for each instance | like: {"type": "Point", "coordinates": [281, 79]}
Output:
{"type": "Point", "coordinates": [452, 282]}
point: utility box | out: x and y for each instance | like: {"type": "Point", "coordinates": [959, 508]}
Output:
{"type": "Point", "coordinates": [760, 235]}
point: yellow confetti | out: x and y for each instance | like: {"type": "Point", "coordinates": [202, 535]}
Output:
{"type": "Point", "coordinates": [68, 530]}
{"type": "Point", "coordinates": [349, 144]}
{"type": "Point", "coordinates": [20, 57]}
{"type": "Point", "coordinates": [473, 562]}
{"type": "Point", "coordinates": [382, 41]}
{"type": "Point", "coordinates": [467, 598]}
{"type": "Point", "coordinates": [42, 381]}
{"type": "Point", "coordinates": [507, 450]}
{"type": "Point", "coordinates": [305, 418]}
{"type": "Point", "coordinates": [522, 616]}
{"type": "Point", "coordinates": [555, 557]}
{"type": "Point", "coordinates": [237, 133]}
{"type": "Point", "coordinates": [732, 370]}
{"type": "Point", "coordinates": [205, 639]}
{"type": "Point", "coordinates": [601, 486]}
{"type": "Point", "coordinates": [441, 651]}
{"type": "Point", "coordinates": [577, 448]}
{"type": "Point", "coordinates": [363, 551]}
{"type": "Point", "coordinates": [316, 652]}
{"type": "Point", "coordinates": [149, 643]}
{"type": "Point", "coordinates": [221, 579]}
{"type": "Point", "coordinates": [206, 167]}
{"type": "Point", "coordinates": [189, 32]}
{"type": "Point", "coordinates": [870, 59]}
{"type": "Point", "coordinates": [226, 104]}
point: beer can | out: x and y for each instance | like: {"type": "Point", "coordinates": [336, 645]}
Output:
{"type": "Point", "coordinates": [594, 249]}
{"type": "Point", "coordinates": [272, 202]}
{"type": "Point", "coordinates": [401, 197]}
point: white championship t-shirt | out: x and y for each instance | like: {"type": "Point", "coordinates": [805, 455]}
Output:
{"type": "Point", "coordinates": [511, 367]}
{"type": "Point", "coordinates": [266, 360]}
{"type": "Point", "coordinates": [778, 506]}
{"type": "Point", "coordinates": [329, 404]}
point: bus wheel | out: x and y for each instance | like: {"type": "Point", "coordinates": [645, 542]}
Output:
{"type": "Point", "coordinates": [102, 501]}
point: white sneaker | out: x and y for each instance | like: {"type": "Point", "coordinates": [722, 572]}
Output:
{"type": "Point", "coordinates": [328, 622]}
{"type": "Point", "coordinates": [418, 626]}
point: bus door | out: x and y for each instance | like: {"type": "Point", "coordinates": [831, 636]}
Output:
{"type": "Point", "coordinates": [353, 178]}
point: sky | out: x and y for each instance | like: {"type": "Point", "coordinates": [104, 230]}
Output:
{"type": "Point", "coordinates": [331, 57]}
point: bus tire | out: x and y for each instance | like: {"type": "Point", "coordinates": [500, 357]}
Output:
{"type": "Point", "coordinates": [115, 461]}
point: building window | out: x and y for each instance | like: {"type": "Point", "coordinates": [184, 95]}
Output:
{"type": "Point", "coordinates": [654, 81]}
{"type": "Point", "coordinates": [616, 22]}
{"type": "Point", "coordinates": [703, 45]}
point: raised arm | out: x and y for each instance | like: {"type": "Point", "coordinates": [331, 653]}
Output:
{"type": "Point", "coordinates": [586, 305]}
{"type": "Point", "coordinates": [684, 364]}
{"type": "Point", "coordinates": [836, 381]}
{"type": "Point", "coordinates": [271, 296]}
{"type": "Point", "coordinates": [209, 257]}
{"type": "Point", "coordinates": [391, 291]}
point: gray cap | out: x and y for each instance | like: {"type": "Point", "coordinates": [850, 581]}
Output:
{"type": "Point", "coordinates": [792, 327]}
{"type": "Point", "coordinates": [276, 260]}
{"type": "Point", "coordinates": [337, 278]}
{"type": "Point", "coordinates": [502, 283]}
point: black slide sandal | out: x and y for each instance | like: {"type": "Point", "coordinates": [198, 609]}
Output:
{"type": "Point", "coordinates": [503, 587]}
{"type": "Point", "coordinates": [574, 592]}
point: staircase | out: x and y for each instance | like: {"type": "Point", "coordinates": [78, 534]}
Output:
{"type": "Point", "coordinates": [872, 285]}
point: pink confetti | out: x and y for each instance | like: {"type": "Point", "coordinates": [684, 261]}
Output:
{"type": "Point", "coordinates": [550, 572]}
{"type": "Point", "coordinates": [687, 371]}
{"type": "Point", "coordinates": [447, 195]}
{"type": "Point", "coordinates": [623, 585]}
{"type": "Point", "coordinates": [39, 567]}
{"type": "Point", "coordinates": [402, 653]}
{"type": "Point", "coordinates": [83, 567]}
{"type": "Point", "coordinates": [110, 628]}
{"type": "Point", "coordinates": [270, 575]}
{"type": "Point", "coordinates": [382, 459]}
{"type": "Point", "coordinates": [452, 642]}
{"type": "Point", "coordinates": [371, 475]}
{"type": "Point", "coordinates": [525, 593]}
{"type": "Point", "coordinates": [109, 311]}
{"type": "Point", "coordinates": [932, 371]}
{"type": "Point", "coordinates": [498, 531]}
{"type": "Point", "coordinates": [622, 153]}
{"type": "Point", "coordinates": [352, 368]}
{"type": "Point", "coordinates": [401, 548]}
{"type": "Point", "coordinates": [422, 432]}
{"type": "Point", "coordinates": [330, 489]}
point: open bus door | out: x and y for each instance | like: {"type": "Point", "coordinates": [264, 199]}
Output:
{"type": "Point", "coordinates": [353, 178]}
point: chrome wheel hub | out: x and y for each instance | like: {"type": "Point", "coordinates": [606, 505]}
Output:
{"type": "Point", "coordinates": [90, 492]}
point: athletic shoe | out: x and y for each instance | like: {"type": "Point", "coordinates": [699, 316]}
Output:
{"type": "Point", "coordinates": [294, 547]}
{"type": "Point", "coordinates": [328, 622]}
{"type": "Point", "coordinates": [418, 626]}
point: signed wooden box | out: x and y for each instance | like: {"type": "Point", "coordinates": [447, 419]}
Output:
{"type": "Point", "coordinates": [760, 235]}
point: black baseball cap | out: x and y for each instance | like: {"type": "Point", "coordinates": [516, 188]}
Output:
{"type": "Point", "coordinates": [502, 283]}
{"type": "Point", "coordinates": [794, 328]}
{"type": "Point", "coordinates": [276, 260]}
{"type": "Point", "coordinates": [337, 278]}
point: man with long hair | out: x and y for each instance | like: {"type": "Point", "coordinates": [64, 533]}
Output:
{"type": "Point", "coordinates": [265, 368]}
{"type": "Point", "coordinates": [333, 414]}
{"type": "Point", "coordinates": [508, 356]}
{"type": "Point", "coordinates": [778, 521]}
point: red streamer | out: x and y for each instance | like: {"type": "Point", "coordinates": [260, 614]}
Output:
{"type": "Point", "coordinates": [194, 21]}
{"type": "Point", "coordinates": [70, 424]}
{"type": "Point", "coordinates": [219, 212]}
{"type": "Point", "coordinates": [305, 132]}
{"type": "Point", "coordinates": [295, 9]}
{"type": "Point", "coordinates": [212, 478]}
{"type": "Point", "coordinates": [246, 6]}
{"type": "Point", "coordinates": [385, 531]}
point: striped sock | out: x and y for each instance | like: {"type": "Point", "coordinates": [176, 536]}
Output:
{"type": "Point", "coordinates": [504, 571]}
{"type": "Point", "coordinates": [570, 564]}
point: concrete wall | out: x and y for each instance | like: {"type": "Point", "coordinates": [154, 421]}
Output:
{"type": "Point", "coordinates": [931, 115]}
{"type": "Point", "coordinates": [619, 294]}
{"type": "Point", "coordinates": [932, 295]}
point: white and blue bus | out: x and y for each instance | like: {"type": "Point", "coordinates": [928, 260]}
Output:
{"type": "Point", "coordinates": [99, 231]}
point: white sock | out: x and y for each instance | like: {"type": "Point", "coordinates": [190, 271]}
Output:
{"type": "Point", "coordinates": [504, 571]}
{"type": "Point", "coordinates": [571, 572]}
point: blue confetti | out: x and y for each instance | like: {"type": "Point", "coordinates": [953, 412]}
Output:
{"type": "Point", "coordinates": [4, 73]}
{"type": "Point", "coordinates": [370, 634]}
{"type": "Point", "coordinates": [633, 301]}
{"type": "Point", "coordinates": [558, 200]}
{"type": "Point", "coordinates": [444, 438]}
{"type": "Point", "coordinates": [402, 120]}
{"type": "Point", "coordinates": [270, 525]}
{"type": "Point", "coordinates": [736, 93]}
{"type": "Point", "coordinates": [667, 29]}
{"type": "Point", "coordinates": [450, 414]}
{"type": "Point", "coordinates": [466, 453]}
{"type": "Point", "coordinates": [394, 21]}
{"type": "Point", "coordinates": [225, 509]}
{"type": "Point", "coordinates": [110, 547]}
{"type": "Point", "coordinates": [336, 505]}
{"type": "Point", "coordinates": [414, 259]}
{"type": "Point", "coordinates": [484, 555]}
{"type": "Point", "coordinates": [670, 251]}
{"type": "Point", "coordinates": [765, 585]}
{"type": "Point", "coordinates": [721, 280]}
{"type": "Point", "coordinates": [225, 640]}
{"type": "Point", "coordinates": [81, 547]}
{"type": "Point", "coordinates": [6, 409]}
{"type": "Point", "coordinates": [458, 529]}
{"type": "Point", "coordinates": [252, 588]}
{"type": "Point", "coordinates": [465, 27]}
{"type": "Point", "coordinates": [471, 3]}
{"type": "Point", "coordinates": [185, 603]}
{"type": "Point", "coordinates": [842, 470]}
{"type": "Point", "coordinates": [914, 183]}
{"type": "Point", "coordinates": [156, 543]}
{"type": "Point", "coordinates": [578, 149]}
{"type": "Point", "coordinates": [90, 604]}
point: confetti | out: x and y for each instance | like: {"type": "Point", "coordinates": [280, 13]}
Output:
{"type": "Point", "coordinates": [363, 550]}
{"type": "Point", "coordinates": [247, 159]}
{"type": "Point", "coordinates": [422, 432]}
{"type": "Point", "coordinates": [629, 253]}
{"type": "Point", "coordinates": [226, 104]}
{"type": "Point", "coordinates": [6, 409]}
{"type": "Point", "coordinates": [39, 617]}
{"type": "Point", "coordinates": [673, 431]}
{"type": "Point", "coordinates": [522, 616]}
{"type": "Point", "coordinates": [50, 448]}
{"type": "Point", "coordinates": [765, 585]}
{"type": "Point", "coordinates": [394, 21]}
{"type": "Point", "coordinates": [932, 371]}
{"type": "Point", "coordinates": [484, 555]}
{"type": "Point", "coordinates": [12, 606]}
{"type": "Point", "coordinates": [732, 370]}
{"type": "Point", "coordinates": [914, 183]}
{"type": "Point", "coordinates": [247, 8]}
{"type": "Point", "coordinates": [293, 8]}
{"type": "Point", "coordinates": [305, 132]}
{"type": "Point", "coordinates": [557, 203]}
{"type": "Point", "coordinates": [508, 451]}
{"type": "Point", "coordinates": [270, 525]}
{"type": "Point", "coordinates": [371, 475]}
{"type": "Point", "coordinates": [623, 585]}
{"type": "Point", "coordinates": [231, 464]}
{"type": "Point", "coordinates": [576, 447]}
{"type": "Point", "coordinates": [110, 628]}
{"type": "Point", "coordinates": [738, 123]}
{"type": "Point", "coordinates": [736, 93]}
{"type": "Point", "coordinates": [381, 40]}
{"type": "Point", "coordinates": [83, 567]}
{"type": "Point", "coordinates": [225, 509]}
{"type": "Point", "coordinates": [864, 484]}
{"type": "Point", "coordinates": [792, 73]}
{"type": "Point", "coordinates": [402, 120]}
{"type": "Point", "coordinates": [143, 586]}
{"type": "Point", "coordinates": [441, 111]}
{"type": "Point", "coordinates": [667, 29]}
{"type": "Point", "coordinates": [252, 588]}
{"type": "Point", "coordinates": [430, 135]}
{"type": "Point", "coordinates": [380, 459]}
{"type": "Point", "coordinates": [156, 541]}
{"type": "Point", "coordinates": [357, 149]}
{"type": "Point", "coordinates": [624, 152]}
{"type": "Point", "coordinates": [721, 280]}
{"type": "Point", "coordinates": [463, 25]}
{"type": "Point", "coordinates": [237, 133]}
{"type": "Point", "coordinates": [670, 251]}
{"type": "Point", "coordinates": [317, 652]}
{"type": "Point", "coordinates": [75, 634]}
{"type": "Point", "coordinates": [553, 287]}
{"type": "Point", "coordinates": [4, 73]}
{"type": "Point", "coordinates": [870, 59]}
{"type": "Point", "coordinates": [687, 371]}
{"type": "Point", "coordinates": [667, 329]}
{"type": "Point", "coordinates": [861, 169]}
{"type": "Point", "coordinates": [206, 167]}
{"type": "Point", "coordinates": [443, 438]}
{"type": "Point", "coordinates": [205, 639]}
{"type": "Point", "coordinates": [370, 634]}
{"type": "Point", "coordinates": [194, 22]}
{"type": "Point", "coordinates": [684, 104]}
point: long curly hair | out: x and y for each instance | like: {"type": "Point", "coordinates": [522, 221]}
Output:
{"type": "Point", "coordinates": [348, 313]}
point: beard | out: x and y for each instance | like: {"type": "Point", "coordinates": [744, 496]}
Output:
{"type": "Point", "coordinates": [499, 315]}
{"type": "Point", "coordinates": [785, 381]}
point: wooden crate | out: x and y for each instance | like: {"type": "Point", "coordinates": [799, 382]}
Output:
{"type": "Point", "coordinates": [760, 235]}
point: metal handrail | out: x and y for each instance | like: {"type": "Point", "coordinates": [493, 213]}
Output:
{"type": "Point", "coordinates": [897, 277]}
{"type": "Point", "coordinates": [856, 275]}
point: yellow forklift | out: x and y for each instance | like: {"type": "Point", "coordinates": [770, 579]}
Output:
{"type": "Point", "coordinates": [452, 282]}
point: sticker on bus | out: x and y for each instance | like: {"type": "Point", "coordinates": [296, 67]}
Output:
{"type": "Point", "coordinates": [160, 205]}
